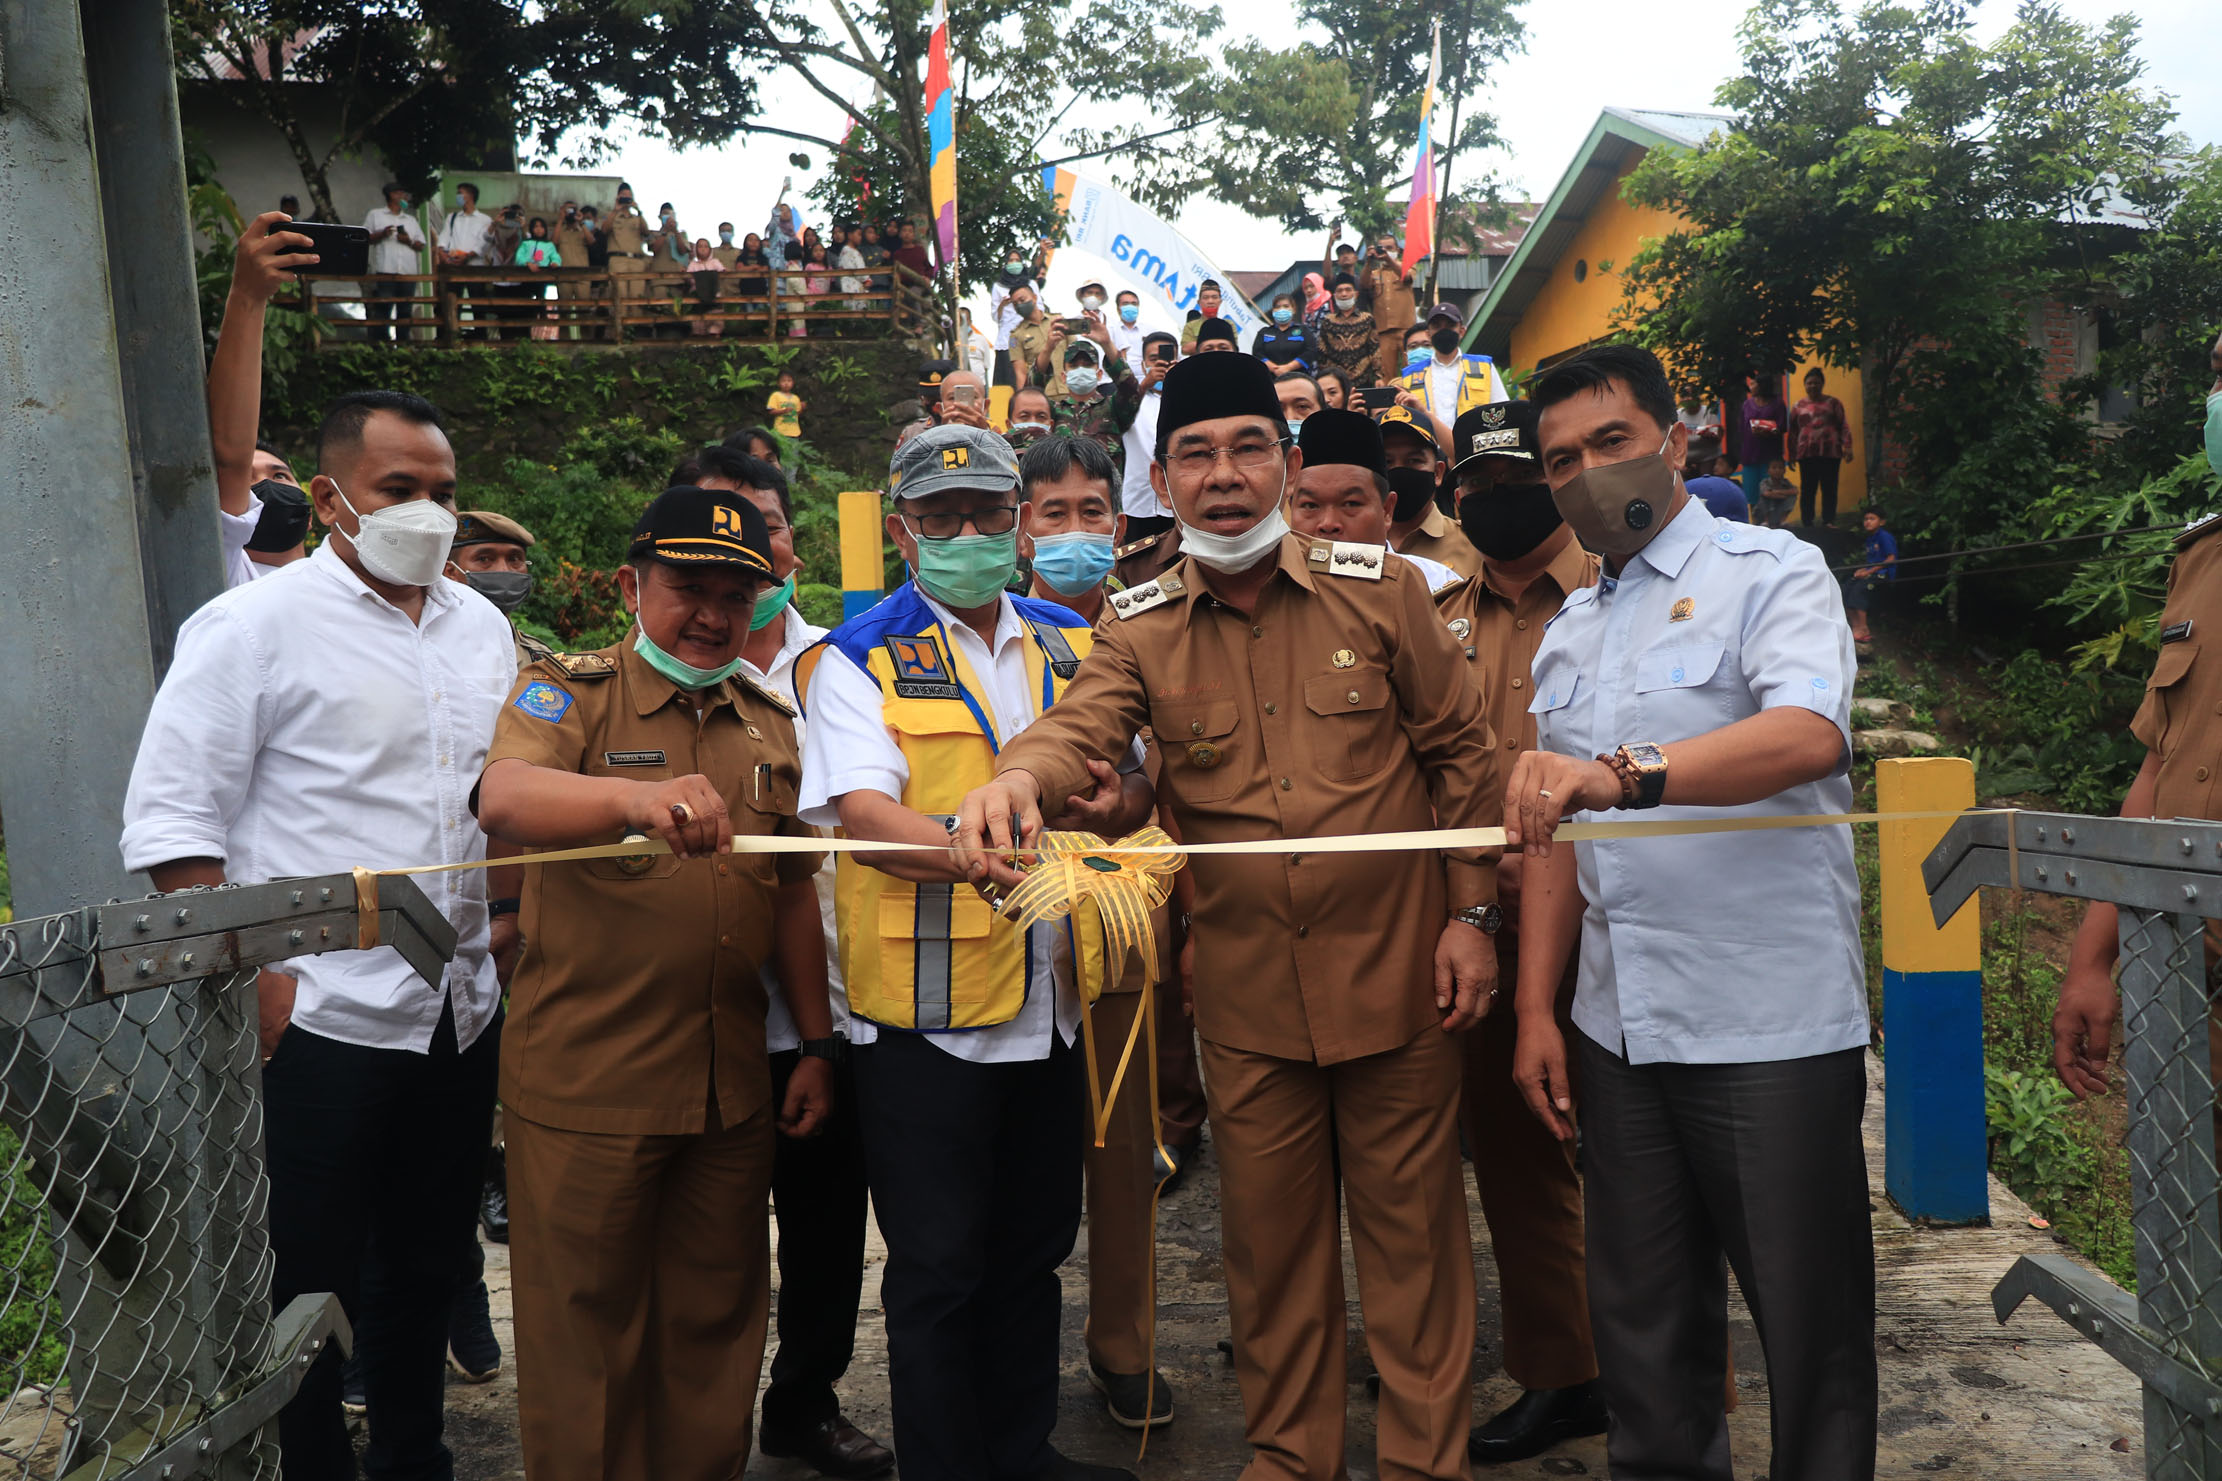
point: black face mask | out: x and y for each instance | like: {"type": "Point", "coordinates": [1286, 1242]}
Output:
{"type": "Point", "coordinates": [1444, 340]}
{"type": "Point", "coordinates": [1508, 521]}
{"type": "Point", "coordinates": [284, 521]}
{"type": "Point", "coordinates": [1413, 488]}
{"type": "Point", "coordinates": [507, 590]}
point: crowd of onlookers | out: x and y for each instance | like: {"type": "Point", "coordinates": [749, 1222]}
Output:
{"type": "Point", "coordinates": [788, 277]}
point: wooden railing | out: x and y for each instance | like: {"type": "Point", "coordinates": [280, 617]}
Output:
{"type": "Point", "coordinates": [579, 306]}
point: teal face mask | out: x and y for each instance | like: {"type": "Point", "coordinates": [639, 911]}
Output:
{"type": "Point", "coordinates": [683, 674]}
{"type": "Point", "coordinates": [771, 603]}
{"type": "Point", "coordinates": [967, 571]}
{"type": "Point", "coordinates": [2214, 431]}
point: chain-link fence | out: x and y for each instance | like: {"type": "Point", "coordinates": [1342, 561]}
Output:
{"type": "Point", "coordinates": [2164, 878]}
{"type": "Point", "coordinates": [136, 1336]}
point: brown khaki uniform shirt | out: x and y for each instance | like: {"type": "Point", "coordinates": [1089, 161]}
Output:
{"type": "Point", "coordinates": [726, 256]}
{"type": "Point", "coordinates": [1440, 540]}
{"type": "Point", "coordinates": [1334, 707]}
{"type": "Point", "coordinates": [2181, 718]}
{"type": "Point", "coordinates": [1028, 341]}
{"type": "Point", "coordinates": [1389, 294]}
{"type": "Point", "coordinates": [570, 244]}
{"type": "Point", "coordinates": [1500, 636]}
{"type": "Point", "coordinates": [639, 999]}
{"type": "Point", "coordinates": [627, 231]}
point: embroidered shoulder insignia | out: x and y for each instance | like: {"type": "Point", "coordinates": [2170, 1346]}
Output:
{"type": "Point", "coordinates": [765, 692]}
{"type": "Point", "coordinates": [1134, 547]}
{"type": "Point", "coordinates": [584, 665]}
{"type": "Point", "coordinates": [542, 701]}
{"type": "Point", "coordinates": [2199, 529]}
{"type": "Point", "coordinates": [530, 649]}
{"type": "Point", "coordinates": [1347, 559]}
{"type": "Point", "coordinates": [1139, 599]}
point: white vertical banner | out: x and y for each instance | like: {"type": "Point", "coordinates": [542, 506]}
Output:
{"type": "Point", "coordinates": [1155, 260]}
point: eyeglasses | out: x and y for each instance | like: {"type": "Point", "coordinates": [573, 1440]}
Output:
{"type": "Point", "coordinates": [1247, 456]}
{"type": "Point", "coordinates": [996, 519]}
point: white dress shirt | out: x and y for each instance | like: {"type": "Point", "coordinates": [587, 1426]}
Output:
{"type": "Point", "coordinates": [1443, 382]}
{"type": "Point", "coordinates": [467, 232]}
{"type": "Point", "coordinates": [1136, 496]}
{"type": "Point", "coordinates": [1722, 948]}
{"type": "Point", "coordinates": [391, 255]}
{"type": "Point", "coordinates": [235, 530]}
{"type": "Point", "coordinates": [307, 726]}
{"type": "Point", "coordinates": [779, 1022]}
{"type": "Point", "coordinates": [849, 748]}
{"type": "Point", "coordinates": [1440, 578]}
{"type": "Point", "coordinates": [1126, 339]}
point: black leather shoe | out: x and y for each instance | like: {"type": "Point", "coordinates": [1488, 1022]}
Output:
{"type": "Point", "coordinates": [493, 1198]}
{"type": "Point", "coordinates": [831, 1447]}
{"type": "Point", "coordinates": [1170, 1167]}
{"type": "Point", "coordinates": [1065, 1468]}
{"type": "Point", "coordinates": [1139, 1401]}
{"type": "Point", "coordinates": [1536, 1421]}
{"type": "Point", "coordinates": [472, 1349]}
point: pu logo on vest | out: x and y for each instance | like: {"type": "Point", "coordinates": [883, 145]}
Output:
{"type": "Point", "coordinates": [921, 670]}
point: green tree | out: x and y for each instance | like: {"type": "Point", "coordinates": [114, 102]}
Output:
{"type": "Point", "coordinates": [1323, 130]}
{"type": "Point", "coordinates": [429, 83]}
{"type": "Point", "coordinates": [1019, 71]}
{"type": "Point", "coordinates": [1895, 195]}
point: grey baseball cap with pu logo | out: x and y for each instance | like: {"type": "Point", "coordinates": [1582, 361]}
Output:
{"type": "Point", "coordinates": [951, 456]}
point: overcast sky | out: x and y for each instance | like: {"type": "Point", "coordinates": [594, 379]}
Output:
{"type": "Point", "coordinates": [1580, 59]}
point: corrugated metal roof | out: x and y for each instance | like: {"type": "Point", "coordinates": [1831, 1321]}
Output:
{"type": "Point", "coordinates": [1684, 128]}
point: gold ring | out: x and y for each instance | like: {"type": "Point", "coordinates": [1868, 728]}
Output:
{"type": "Point", "coordinates": [1545, 794]}
{"type": "Point", "coordinates": [681, 814]}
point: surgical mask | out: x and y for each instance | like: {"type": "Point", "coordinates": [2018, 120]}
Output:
{"type": "Point", "coordinates": [1509, 520]}
{"type": "Point", "coordinates": [1073, 563]}
{"type": "Point", "coordinates": [1344, 304]}
{"type": "Point", "coordinates": [1012, 266]}
{"type": "Point", "coordinates": [1038, 429]}
{"type": "Point", "coordinates": [284, 520]}
{"type": "Point", "coordinates": [2214, 431]}
{"type": "Point", "coordinates": [726, 237]}
{"type": "Point", "coordinates": [405, 543]}
{"type": "Point", "coordinates": [667, 218]}
{"type": "Point", "coordinates": [1616, 509]}
{"type": "Point", "coordinates": [1082, 379]}
{"type": "Point", "coordinates": [1130, 313]}
{"type": "Point", "coordinates": [507, 590]}
{"type": "Point", "coordinates": [678, 671]}
{"type": "Point", "coordinates": [1445, 341]}
{"type": "Point", "coordinates": [1231, 553]}
{"type": "Point", "coordinates": [1415, 355]}
{"type": "Point", "coordinates": [770, 604]}
{"type": "Point", "coordinates": [967, 571]}
{"type": "Point", "coordinates": [1282, 316]}
{"type": "Point", "coordinates": [1295, 428]}
{"type": "Point", "coordinates": [1092, 301]}
{"type": "Point", "coordinates": [1413, 488]}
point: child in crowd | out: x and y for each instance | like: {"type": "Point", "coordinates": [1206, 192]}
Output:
{"type": "Point", "coordinates": [785, 406]}
{"type": "Point", "coordinates": [1880, 564]}
{"type": "Point", "coordinates": [1777, 494]}
{"type": "Point", "coordinates": [704, 260]}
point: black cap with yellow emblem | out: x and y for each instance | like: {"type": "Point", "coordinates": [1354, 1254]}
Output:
{"type": "Point", "coordinates": [687, 526]}
{"type": "Point", "coordinates": [1400, 418]}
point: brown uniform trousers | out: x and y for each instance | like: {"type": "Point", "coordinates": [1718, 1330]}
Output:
{"type": "Point", "coordinates": [2176, 721]}
{"type": "Point", "coordinates": [1122, 1293]}
{"type": "Point", "coordinates": [639, 1120]}
{"type": "Point", "coordinates": [628, 234]}
{"type": "Point", "coordinates": [571, 247]}
{"type": "Point", "coordinates": [1327, 708]}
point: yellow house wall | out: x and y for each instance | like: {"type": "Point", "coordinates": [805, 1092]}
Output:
{"type": "Point", "coordinates": [1567, 314]}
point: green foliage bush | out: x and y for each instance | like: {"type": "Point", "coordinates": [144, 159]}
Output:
{"type": "Point", "coordinates": [30, 1342]}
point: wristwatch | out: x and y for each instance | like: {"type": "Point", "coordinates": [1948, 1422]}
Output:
{"type": "Point", "coordinates": [832, 1048]}
{"type": "Point", "coordinates": [1642, 768]}
{"type": "Point", "coordinates": [506, 905]}
{"type": "Point", "coordinates": [1487, 919]}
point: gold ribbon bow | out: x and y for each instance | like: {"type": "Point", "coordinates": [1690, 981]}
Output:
{"type": "Point", "coordinates": [1125, 887]}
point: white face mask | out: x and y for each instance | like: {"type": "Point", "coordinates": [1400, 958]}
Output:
{"type": "Point", "coordinates": [1231, 553]}
{"type": "Point", "coordinates": [405, 544]}
{"type": "Point", "coordinates": [1081, 379]}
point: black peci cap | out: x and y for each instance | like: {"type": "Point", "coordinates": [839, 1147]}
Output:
{"type": "Point", "coordinates": [1204, 388]}
{"type": "Point", "coordinates": [692, 527]}
{"type": "Point", "coordinates": [1332, 436]}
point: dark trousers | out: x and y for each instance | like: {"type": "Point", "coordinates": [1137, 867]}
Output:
{"type": "Point", "coordinates": [1762, 1164]}
{"type": "Point", "coordinates": [819, 1197]}
{"type": "Point", "coordinates": [376, 1157]}
{"type": "Point", "coordinates": [976, 1183]}
{"type": "Point", "coordinates": [1818, 475]}
{"type": "Point", "coordinates": [383, 314]}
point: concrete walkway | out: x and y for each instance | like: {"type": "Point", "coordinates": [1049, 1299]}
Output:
{"type": "Point", "coordinates": [1961, 1396]}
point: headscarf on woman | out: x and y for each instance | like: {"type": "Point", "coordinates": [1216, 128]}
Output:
{"type": "Point", "coordinates": [1316, 296]}
{"type": "Point", "coordinates": [779, 237]}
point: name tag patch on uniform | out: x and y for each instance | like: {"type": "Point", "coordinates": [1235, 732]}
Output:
{"type": "Point", "coordinates": [543, 701]}
{"type": "Point", "coordinates": [633, 758]}
{"type": "Point", "coordinates": [921, 669]}
{"type": "Point", "coordinates": [2176, 632]}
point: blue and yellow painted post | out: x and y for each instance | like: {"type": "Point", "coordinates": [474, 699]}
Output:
{"type": "Point", "coordinates": [863, 559]}
{"type": "Point", "coordinates": [1936, 1149]}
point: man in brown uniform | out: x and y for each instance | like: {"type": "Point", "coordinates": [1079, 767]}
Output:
{"type": "Point", "coordinates": [1303, 688]}
{"type": "Point", "coordinates": [2181, 778]}
{"type": "Point", "coordinates": [626, 230]}
{"type": "Point", "coordinates": [636, 1086]}
{"type": "Point", "coordinates": [1422, 531]}
{"type": "Point", "coordinates": [1529, 1191]}
{"type": "Point", "coordinates": [1386, 288]}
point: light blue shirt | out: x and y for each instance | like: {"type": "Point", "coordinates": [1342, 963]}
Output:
{"type": "Point", "coordinates": [1721, 948]}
